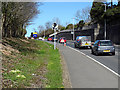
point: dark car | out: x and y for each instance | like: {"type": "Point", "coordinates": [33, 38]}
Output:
{"type": "Point", "coordinates": [62, 40]}
{"type": "Point", "coordinates": [54, 39]}
{"type": "Point", "coordinates": [49, 39]}
{"type": "Point", "coordinates": [103, 46]}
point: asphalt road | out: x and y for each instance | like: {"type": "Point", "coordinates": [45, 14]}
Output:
{"type": "Point", "coordinates": [106, 59]}
{"type": "Point", "coordinates": [85, 73]}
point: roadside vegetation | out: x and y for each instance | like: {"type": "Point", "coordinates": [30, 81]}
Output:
{"type": "Point", "coordinates": [30, 64]}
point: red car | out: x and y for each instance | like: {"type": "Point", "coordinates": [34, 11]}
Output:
{"type": "Point", "coordinates": [62, 40]}
{"type": "Point", "coordinates": [49, 39]}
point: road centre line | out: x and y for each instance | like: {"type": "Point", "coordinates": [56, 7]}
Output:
{"type": "Point", "coordinates": [95, 61]}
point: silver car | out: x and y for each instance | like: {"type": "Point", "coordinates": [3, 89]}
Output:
{"type": "Point", "coordinates": [103, 46]}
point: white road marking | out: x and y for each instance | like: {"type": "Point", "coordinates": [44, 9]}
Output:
{"type": "Point", "coordinates": [96, 61]}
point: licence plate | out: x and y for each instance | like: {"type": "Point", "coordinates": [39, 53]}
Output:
{"type": "Point", "coordinates": [62, 40]}
{"type": "Point", "coordinates": [106, 51]}
{"type": "Point", "coordinates": [86, 44]}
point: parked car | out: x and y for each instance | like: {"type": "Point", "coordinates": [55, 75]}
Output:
{"type": "Point", "coordinates": [40, 38]}
{"type": "Point", "coordinates": [54, 39]}
{"type": "Point", "coordinates": [82, 41]}
{"type": "Point", "coordinates": [103, 46]}
{"type": "Point", "coordinates": [62, 40]}
{"type": "Point", "coordinates": [49, 39]}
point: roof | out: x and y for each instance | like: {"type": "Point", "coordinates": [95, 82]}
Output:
{"type": "Point", "coordinates": [66, 30]}
{"type": "Point", "coordinates": [105, 40]}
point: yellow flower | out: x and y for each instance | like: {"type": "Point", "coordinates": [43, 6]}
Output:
{"type": "Point", "coordinates": [47, 86]}
{"type": "Point", "coordinates": [20, 76]}
{"type": "Point", "coordinates": [15, 71]}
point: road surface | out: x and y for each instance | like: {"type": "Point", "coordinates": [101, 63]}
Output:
{"type": "Point", "coordinates": [107, 60]}
{"type": "Point", "coordinates": [85, 73]}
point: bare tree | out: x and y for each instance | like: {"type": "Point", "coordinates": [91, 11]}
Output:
{"type": "Point", "coordinates": [15, 16]}
{"type": "Point", "coordinates": [40, 28]}
{"type": "Point", "coordinates": [56, 20]}
{"type": "Point", "coordinates": [48, 25]}
{"type": "Point", "coordinates": [83, 14]}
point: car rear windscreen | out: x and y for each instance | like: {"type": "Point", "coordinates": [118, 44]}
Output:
{"type": "Point", "coordinates": [105, 43]}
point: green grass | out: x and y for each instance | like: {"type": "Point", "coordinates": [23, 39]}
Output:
{"type": "Point", "coordinates": [36, 57]}
{"type": "Point", "coordinates": [54, 74]}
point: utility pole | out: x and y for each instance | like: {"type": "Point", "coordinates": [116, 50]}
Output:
{"type": "Point", "coordinates": [73, 30]}
{"type": "Point", "coordinates": [44, 34]}
{"type": "Point", "coordinates": [105, 24]}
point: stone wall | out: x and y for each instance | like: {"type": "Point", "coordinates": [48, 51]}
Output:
{"type": "Point", "coordinates": [69, 36]}
{"type": "Point", "coordinates": [113, 33]}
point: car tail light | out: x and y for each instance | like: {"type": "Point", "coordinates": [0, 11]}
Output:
{"type": "Point", "coordinates": [81, 43]}
{"type": "Point", "coordinates": [99, 43]}
{"type": "Point", "coordinates": [78, 40]}
{"type": "Point", "coordinates": [60, 40]}
{"type": "Point", "coordinates": [65, 40]}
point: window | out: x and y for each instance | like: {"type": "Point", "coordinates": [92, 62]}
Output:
{"type": "Point", "coordinates": [105, 43]}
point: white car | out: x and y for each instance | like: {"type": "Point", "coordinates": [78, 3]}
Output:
{"type": "Point", "coordinates": [40, 38]}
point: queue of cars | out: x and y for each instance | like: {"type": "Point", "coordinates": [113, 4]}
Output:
{"type": "Point", "coordinates": [60, 40]}
{"type": "Point", "coordinates": [99, 47]}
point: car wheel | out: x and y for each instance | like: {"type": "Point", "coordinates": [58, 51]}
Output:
{"type": "Point", "coordinates": [79, 47]}
{"type": "Point", "coordinates": [96, 53]}
{"type": "Point", "coordinates": [90, 47]}
{"type": "Point", "coordinates": [92, 51]}
{"type": "Point", "coordinates": [113, 53]}
{"type": "Point", "coordinates": [75, 46]}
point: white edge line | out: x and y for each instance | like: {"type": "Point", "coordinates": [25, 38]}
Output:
{"type": "Point", "coordinates": [96, 61]}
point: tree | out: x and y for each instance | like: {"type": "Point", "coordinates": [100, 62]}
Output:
{"type": "Point", "coordinates": [61, 27]}
{"type": "Point", "coordinates": [15, 16]}
{"type": "Point", "coordinates": [41, 30]}
{"type": "Point", "coordinates": [98, 15]}
{"type": "Point", "coordinates": [56, 20]}
{"type": "Point", "coordinates": [48, 25]}
{"type": "Point", "coordinates": [83, 14]}
{"type": "Point", "coordinates": [118, 2]}
{"type": "Point", "coordinates": [69, 26]}
{"type": "Point", "coordinates": [80, 24]}
{"type": "Point", "coordinates": [97, 12]}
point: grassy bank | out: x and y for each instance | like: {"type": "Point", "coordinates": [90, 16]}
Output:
{"type": "Point", "coordinates": [30, 64]}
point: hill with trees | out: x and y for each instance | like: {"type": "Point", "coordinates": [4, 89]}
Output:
{"type": "Point", "coordinates": [16, 16]}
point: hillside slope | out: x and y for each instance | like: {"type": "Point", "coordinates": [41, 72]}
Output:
{"type": "Point", "coordinates": [30, 64]}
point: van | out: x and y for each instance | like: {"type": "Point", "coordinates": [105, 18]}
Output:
{"type": "Point", "coordinates": [83, 41]}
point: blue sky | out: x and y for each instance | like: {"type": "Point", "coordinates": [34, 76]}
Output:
{"type": "Point", "coordinates": [65, 11]}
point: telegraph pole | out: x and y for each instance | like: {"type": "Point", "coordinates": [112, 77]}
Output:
{"type": "Point", "coordinates": [73, 29]}
{"type": "Point", "coordinates": [105, 23]}
{"type": "Point", "coordinates": [44, 34]}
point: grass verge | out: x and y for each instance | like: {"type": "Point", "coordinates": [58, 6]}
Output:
{"type": "Point", "coordinates": [30, 64]}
